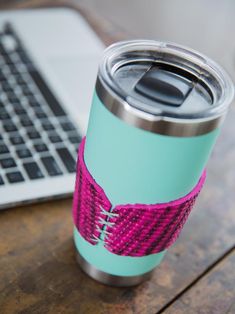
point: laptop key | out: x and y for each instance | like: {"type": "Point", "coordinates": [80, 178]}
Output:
{"type": "Point", "coordinates": [2, 109]}
{"type": "Point", "coordinates": [1, 181]}
{"type": "Point", "coordinates": [3, 149]}
{"type": "Point", "coordinates": [33, 171]}
{"type": "Point", "coordinates": [33, 102]}
{"type": "Point", "coordinates": [68, 126]}
{"type": "Point", "coordinates": [2, 77]}
{"type": "Point", "coordinates": [41, 147]}
{"type": "Point", "coordinates": [4, 115]}
{"type": "Point", "coordinates": [25, 121]}
{"type": "Point", "coordinates": [6, 86]}
{"type": "Point", "coordinates": [8, 162]}
{"type": "Point", "coordinates": [12, 97]}
{"type": "Point", "coordinates": [32, 129]}
{"type": "Point", "coordinates": [23, 153]}
{"type": "Point", "coordinates": [55, 138]}
{"type": "Point", "coordinates": [7, 58]}
{"type": "Point", "coordinates": [75, 139]}
{"type": "Point", "coordinates": [9, 126]}
{"type": "Point", "coordinates": [19, 110]}
{"type": "Point", "coordinates": [16, 103]}
{"type": "Point", "coordinates": [13, 69]}
{"type": "Point", "coordinates": [7, 89]}
{"type": "Point", "coordinates": [27, 91]}
{"type": "Point", "coordinates": [38, 110]}
{"type": "Point", "coordinates": [41, 115]}
{"type": "Point", "coordinates": [20, 79]}
{"type": "Point", "coordinates": [47, 126]}
{"type": "Point", "coordinates": [67, 159]}
{"type": "Point", "coordinates": [33, 135]}
{"type": "Point", "coordinates": [16, 140]}
{"type": "Point", "coordinates": [51, 166]}
{"type": "Point", "coordinates": [15, 177]}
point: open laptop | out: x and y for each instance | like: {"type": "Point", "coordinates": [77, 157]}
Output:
{"type": "Point", "coordinates": [48, 65]}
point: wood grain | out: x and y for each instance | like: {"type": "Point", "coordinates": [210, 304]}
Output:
{"type": "Point", "coordinates": [38, 272]}
{"type": "Point", "coordinates": [214, 294]}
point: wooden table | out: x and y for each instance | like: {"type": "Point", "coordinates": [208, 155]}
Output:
{"type": "Point", "coordinates": [39, 274]}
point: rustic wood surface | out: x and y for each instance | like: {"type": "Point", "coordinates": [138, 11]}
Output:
{"type": "Point", "coordinates": [218, 285]}
{"type": "Point", "coordinates": [38, 272]}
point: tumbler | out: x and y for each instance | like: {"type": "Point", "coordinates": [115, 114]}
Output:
{"type": "Point", "coordinates": [156, 113]}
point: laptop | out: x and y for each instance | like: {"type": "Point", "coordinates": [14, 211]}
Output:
{"type": "Point", "coordinates": [48, 66]}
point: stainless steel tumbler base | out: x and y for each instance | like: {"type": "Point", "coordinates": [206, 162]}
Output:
{"type": "Point", "coordinates": [108, 279]}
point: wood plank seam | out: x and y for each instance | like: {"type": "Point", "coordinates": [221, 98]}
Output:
{"type": "Point", "coordinates": [196, 280]}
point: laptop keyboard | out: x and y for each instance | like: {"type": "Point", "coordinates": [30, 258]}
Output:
{"type": "Point", "coordinates": [37, 137]}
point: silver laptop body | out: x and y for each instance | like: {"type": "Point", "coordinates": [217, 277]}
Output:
{"type": "Point", "coordinates": [48, 66]}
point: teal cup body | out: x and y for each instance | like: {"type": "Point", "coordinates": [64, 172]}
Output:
{"type": "Point", "coordinates": [141, 149]}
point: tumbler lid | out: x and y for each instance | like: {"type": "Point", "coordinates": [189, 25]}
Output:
{"type": "Point", "coordinates": [163, 88]}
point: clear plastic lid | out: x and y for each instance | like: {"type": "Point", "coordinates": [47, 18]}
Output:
{"type": "Point", "coordinates": [157, 81]}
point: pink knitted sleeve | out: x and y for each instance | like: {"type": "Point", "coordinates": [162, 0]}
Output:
{"type": "Point", "coordinates": [89, 202]}
{"type": "Point", "coordinates": [140, 229]}
{"type": "Point", "coordinates": [130, 229]}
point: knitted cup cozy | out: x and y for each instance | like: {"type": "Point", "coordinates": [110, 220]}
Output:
{"type": "Point", "coordinates": [129, 229]}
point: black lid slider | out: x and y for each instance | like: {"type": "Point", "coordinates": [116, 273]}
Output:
{"type": "Point", "coordinates": [163, 86]}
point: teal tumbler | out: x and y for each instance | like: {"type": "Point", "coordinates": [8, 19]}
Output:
{"type": "Point", "coordinates": [156, 113]}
